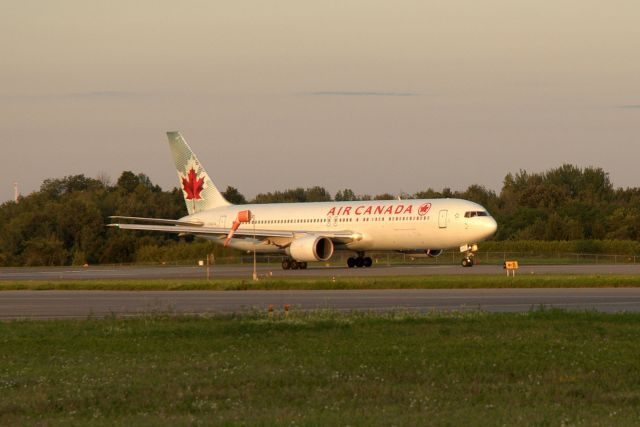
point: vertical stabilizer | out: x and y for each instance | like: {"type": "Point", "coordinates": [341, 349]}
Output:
{"type": "Point", "coordinates": [200, 193]}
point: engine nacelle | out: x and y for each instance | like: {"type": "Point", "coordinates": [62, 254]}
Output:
{"type": "Point", "coordinates": [432, 253]}
{"type": "Point", "coordinates": [310, 248]}
{"type": "Point", "coordinates": [420, 253]}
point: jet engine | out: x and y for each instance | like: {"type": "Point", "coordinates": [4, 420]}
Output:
{"type": "Point", "coordinates": [432, 253]}
{"type": "Point", "coordinates": [310, 248]}
{"type": "Point", "coordinates": [420, 253]}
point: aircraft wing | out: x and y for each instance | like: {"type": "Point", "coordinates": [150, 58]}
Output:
{"type": "Point", "coordinates": [157, 220]}
{"type": "Point", "coordinates": [279, 237]}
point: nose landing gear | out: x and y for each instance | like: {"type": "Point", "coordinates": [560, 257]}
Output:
{"type": "Point", "coordinates": [467, 261]}
{"type": "Point", "coordinates": [469, 250]}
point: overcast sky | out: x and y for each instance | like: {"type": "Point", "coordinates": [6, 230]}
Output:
{"type": "Point", "coordinates": [388, 96]}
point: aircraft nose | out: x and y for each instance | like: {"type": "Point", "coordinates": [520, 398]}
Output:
{"type": "Point", "coordinates": [491, 226]}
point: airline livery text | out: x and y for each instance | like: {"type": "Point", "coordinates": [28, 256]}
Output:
{"type": "Point", "coordinates": [399, 209]}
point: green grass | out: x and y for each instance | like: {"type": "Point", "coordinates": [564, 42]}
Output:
{"type": "Point", "coordinates": [401, 282]}
{"type": "Point", "coordinates": [539, 368]}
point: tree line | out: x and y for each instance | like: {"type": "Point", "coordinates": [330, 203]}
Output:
{"type": "Point", "coordinates": [64, 221]}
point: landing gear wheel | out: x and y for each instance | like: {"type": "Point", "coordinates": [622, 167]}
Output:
{"type": "Point", "coordinates": [351, 262]}
{"type": "Point", "coordinates": [467, 262]}
{"type": "Point", "coordinates": [286, 264]}
{"type": "Point", "coordinates": [295, 265]}
{"type": "Point", "coordinates": [367, 261]}
{"type": "Point", "coordinates": [359, 262]}
{"type": "Point", "coordinates": [303, 266]}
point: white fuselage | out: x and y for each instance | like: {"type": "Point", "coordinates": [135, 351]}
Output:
{"type": "Point", "coordinates": [380, 224]}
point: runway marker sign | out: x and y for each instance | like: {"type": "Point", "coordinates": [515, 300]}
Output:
{"type": "Point", "coordinates": [511, 267]}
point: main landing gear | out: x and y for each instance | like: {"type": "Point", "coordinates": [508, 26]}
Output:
{"type": "Point", "coordinates": [359, 261]}
{"type": "Point", "coordinates": [292, 264]}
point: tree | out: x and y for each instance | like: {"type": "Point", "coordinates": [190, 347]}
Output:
{"type": "Point", "coordinates": [63, 222]}
{"type": "Point", "coordinates": [296, 195]}
{"type": "Point", "coordinates": [233, 196]}
{"type": "Point", "coordinates": [45, 251]}
{"type": "Point", "coordinates": [346, 195]}
{"type": "Point", "coordinates": [54, 188]}
{"type": "Point", "coordinates": [128, 181]}
{"type": "Point", "coordinates": [427, 194]}
{"type": "Point", "coordinates": [317, 194]}
{"type": "Point", "coordinates": [384, 196]}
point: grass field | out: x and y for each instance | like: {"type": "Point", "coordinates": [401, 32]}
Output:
{"type": "Point", "coordinates": [401, 282]}
{"type": "Point", "coordinates": [539, 368]}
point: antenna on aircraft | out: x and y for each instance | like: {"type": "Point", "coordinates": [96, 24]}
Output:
{"type": "Point", "coordinates": [16, 192]}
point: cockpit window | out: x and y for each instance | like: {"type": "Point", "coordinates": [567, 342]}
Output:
{"type": "Point", "coordinates": [471, 214]}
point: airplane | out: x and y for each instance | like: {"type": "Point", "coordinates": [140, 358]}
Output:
{"type": "Point", "coordinates": [307, 232]}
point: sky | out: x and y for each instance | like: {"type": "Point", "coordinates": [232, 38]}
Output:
{"type": "Point", "coordinates": [376, 96]}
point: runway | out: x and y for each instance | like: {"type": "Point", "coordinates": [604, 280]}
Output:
{"type": "Point", "coordinates": [85, 304]}
{"type": "Point", "coordinates": [99, 304]}
{"type": "Point", "coordinates": [245, 271]}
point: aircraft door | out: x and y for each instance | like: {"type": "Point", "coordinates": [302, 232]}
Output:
{"type": "Point", "coordinates": [442, 219]}
{"type": "Point", "coordinates": [222, 221]}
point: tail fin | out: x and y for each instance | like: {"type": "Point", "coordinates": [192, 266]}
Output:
{"type": "Point", "coordinates": [199, 191]}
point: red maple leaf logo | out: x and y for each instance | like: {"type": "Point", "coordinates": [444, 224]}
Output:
{"type": "Point", "coordinates": [192, 185]}
{"type": "Point", "coordinates": [424, 208]}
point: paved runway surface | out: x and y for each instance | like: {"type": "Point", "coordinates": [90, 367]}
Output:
{"type": "Point", "coordinates": [171, 272]}
{"type": "Point", "coordinates": [84, 304]}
